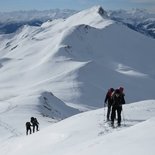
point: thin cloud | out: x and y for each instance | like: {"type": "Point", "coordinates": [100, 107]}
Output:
{"type": "Point", "coordinates": [152, 9]}
{"type": "Point", "coordinates": [85, 2]}
{"type": "Point", "coordinates": [144, 1]}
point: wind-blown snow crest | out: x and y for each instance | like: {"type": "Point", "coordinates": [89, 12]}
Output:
{"type": "Point", "coordinates": [129, 71]}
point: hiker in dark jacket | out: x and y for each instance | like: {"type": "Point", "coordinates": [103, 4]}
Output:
{"type": "Point", "coordinates": [28, 128]}
{"type": "Point", "coordinates": [117, 101]}
{"type": "Point", "coordinates": [35, 124]}
{"type": "Point", "coordinates": [108, 101]}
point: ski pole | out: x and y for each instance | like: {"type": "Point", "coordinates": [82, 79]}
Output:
{"type": "Point", "coordinates": [123, 116]}
{"type": "Point", "coordinates": [104, 111]}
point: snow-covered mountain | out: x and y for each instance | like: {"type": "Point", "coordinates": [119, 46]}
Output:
{"type": "Point", "coordinates": [75, 61]}
{"type": "Point", "coordinates": [136, 19]}
{"type": "Point", "coordinates": [65, 67]}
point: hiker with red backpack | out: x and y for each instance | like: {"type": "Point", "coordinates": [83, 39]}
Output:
{"type": "Point", "coordinates": [108, 101]}
{"type": "Point", "coordinates": [117, 102]}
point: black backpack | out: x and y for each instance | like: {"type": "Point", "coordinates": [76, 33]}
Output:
{"type": "Point", "coordinates": [28, 124]}
{"type": "Point", "coordinates": [117, 98]}
{"type": "Point", "coordinates": [32, 120]}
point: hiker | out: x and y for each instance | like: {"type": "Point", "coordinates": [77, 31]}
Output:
{"type": "Point", "coordinates": [117, 101]}
{"type": "Point", "coordinates": [35, 124]}
{"type": "Point", "coordinates": [108, 101]}
{"type": "Point", "coordinates": [28, 128]}
{"type": "Point", "coordinates": [121, 89]}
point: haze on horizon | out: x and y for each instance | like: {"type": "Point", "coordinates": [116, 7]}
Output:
{"type": "Point", "coordinates": [16, 5]}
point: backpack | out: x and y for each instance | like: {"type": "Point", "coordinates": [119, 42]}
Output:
{"type": "Point", "coordinates": [118, 98]}
{"type": "Point", "coordinates": [110, 92]}
{"type": "Point", "coordinates": [35, 121]}
{"type": "Point", "coordinates": [28, 124]}
{"type": "Point", "coordinates": [32, 120]}
{"type": "Point", "coordinates": [109, 96]}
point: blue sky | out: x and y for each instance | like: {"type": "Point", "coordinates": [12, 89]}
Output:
{"type": "Point", "coordinates": [12, 5]}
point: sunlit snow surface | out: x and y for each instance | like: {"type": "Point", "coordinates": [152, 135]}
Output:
{"type": "Point", "coordinates": [88, 133]}
{"type": "Point", "coordinates": [65, 67]}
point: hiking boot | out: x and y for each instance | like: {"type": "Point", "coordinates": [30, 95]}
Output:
{"type": "Point", "coordinates": [108, 119]}
{"type": "Point", "coordinates": [119, 124]}
{"type": "Point", "coordinates": [112, 123]}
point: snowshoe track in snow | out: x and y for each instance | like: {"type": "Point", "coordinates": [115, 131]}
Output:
{"type": "Point", "coordinates": [108, 128]}
{"type": "Point", "coordinates": [12, 130]}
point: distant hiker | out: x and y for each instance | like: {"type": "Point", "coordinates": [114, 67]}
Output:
{"type": "Point", "coordinates": [28, 128]}
{"type": "Point", "coordinates": [117, 101]}
{"type": "Point", "coordinates": [108, 101]}
{"type": "Point", "coordinates": [35, 124]}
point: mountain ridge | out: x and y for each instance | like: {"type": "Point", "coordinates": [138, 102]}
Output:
{"type": "Point", "coordinates": [75, 60]}
{"type": "Point", "coordinates": [136, 19]}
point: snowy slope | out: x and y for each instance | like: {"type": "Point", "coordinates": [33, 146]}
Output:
{"type": "Point", "coordinates": [66, 66]}
{"type": "Point", "coordinates": [88, 134]}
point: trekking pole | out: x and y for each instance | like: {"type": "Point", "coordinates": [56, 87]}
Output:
{"type": "Point", "coordinates": [104, 111]}
{"type": "Point", "coordinates": [123, 116]}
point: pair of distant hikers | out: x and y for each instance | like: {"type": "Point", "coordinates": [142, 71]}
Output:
{"type": "Point", "coordinates": [114, 100]}
{"type": "Point", "coordinates": [33, 123]}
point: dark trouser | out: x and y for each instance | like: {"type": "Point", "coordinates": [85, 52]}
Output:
{"type": "Point", "coordinates": [27, 130]}
{"type": "Point", "coordinates": [108, 111]}
{"type": "Point", "coordinates": [115, 109]}
{"type": "Point", "coordinates": [35, 126]}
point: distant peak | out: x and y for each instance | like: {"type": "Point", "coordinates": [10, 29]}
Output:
{"type": "Point", "coordinates": [99, 10]}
